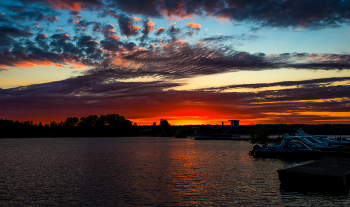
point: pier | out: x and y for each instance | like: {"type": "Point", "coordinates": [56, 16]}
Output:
{"type": "Point", "coordinates": [217, 132]}
{"type": "Point", "coordinates": [327, 175]}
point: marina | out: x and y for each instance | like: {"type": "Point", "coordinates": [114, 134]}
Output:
{"type": "Point", "coordinates": [304, 146]}
{"type": "Point", "coordinates": [329, 171]}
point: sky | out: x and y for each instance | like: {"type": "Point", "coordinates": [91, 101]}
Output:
{"type": "Point", "coordinates": [190, 62]}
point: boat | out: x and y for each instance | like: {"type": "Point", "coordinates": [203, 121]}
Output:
{"type": "Point", "coordinates": [288, 149]}
{"type": "Point", "coordinates": [319, 142]}
{"type": "Point", "coordinates": [322, 138]}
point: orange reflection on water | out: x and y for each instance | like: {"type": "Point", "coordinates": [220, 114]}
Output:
{"type": "Point", "coordinates": [200, 169]}
{"type": "Point", "coordinates": [183, 172]}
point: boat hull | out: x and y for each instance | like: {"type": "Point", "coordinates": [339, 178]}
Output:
{"type": "Point", "coordinates": [288, 154]}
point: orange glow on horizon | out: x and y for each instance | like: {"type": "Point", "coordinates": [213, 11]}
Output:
{"type": "Point", "coordinates": [192, 116]}
{"type": "Point", "coordinates": [196, 121]}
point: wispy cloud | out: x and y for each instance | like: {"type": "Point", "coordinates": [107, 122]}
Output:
{"type": "Point", "coordinates": [101, 93]}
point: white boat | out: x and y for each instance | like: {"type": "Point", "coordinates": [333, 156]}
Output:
{"type": "Point", "coordinates": [320, 142]}
{"type": "Point", "coordinates": [288, 149]}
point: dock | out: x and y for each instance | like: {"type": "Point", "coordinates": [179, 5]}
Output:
{"type": "Point", "coordinates": [328, 174]}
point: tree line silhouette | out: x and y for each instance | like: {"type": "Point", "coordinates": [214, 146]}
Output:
{"type": "Point", "coordinates": [110, 125]}
{"type": "Point", "coordinates": [114, 125]}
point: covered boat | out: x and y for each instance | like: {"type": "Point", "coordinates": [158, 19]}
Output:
{"type": "Point", "coordinates": [288, 149]}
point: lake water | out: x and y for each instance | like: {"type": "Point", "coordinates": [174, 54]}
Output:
{"type": "Point", "coordinates": [144, 171]}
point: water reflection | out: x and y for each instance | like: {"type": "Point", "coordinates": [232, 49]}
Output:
{"type": "Point", "coordinates": [143, 171]}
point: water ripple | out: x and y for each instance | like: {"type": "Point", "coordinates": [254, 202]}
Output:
{"type": "Point", "coordinates": [143, 171]}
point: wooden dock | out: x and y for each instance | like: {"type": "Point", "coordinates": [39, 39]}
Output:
{"type": "Point", "coordinates": [327, 174]}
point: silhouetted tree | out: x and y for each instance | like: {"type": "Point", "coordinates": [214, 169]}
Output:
{"type": "Point", "coordinates": [102, 120]}
{"type": "Point", "coordinates": [53, 124]}
{"type": "Point", "coordinates": [165, 127]}
{"type": "Point", "coordinates": [71, 122]}
{"type": "Point", "coordinates": [89, 121]}
{"type": "Point", "coordinates": [164, 123]}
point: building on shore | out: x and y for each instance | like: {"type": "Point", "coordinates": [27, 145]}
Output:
{"type": "Point", "coordinates": [219, 132]}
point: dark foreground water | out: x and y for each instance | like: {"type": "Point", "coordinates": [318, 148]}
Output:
{"type": "Point", "coordinates": [143, 172]}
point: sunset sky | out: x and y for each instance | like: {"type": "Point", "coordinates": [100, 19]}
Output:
{"type": "Point", "coordinates": [190, 62]}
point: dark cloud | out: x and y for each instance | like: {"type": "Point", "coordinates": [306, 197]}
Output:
{"type": "Point", "coordinates": [7, 34]}
{"type": "Point", "coordinates": [16, 9]}
{"type": "Point", "coordinates": [126, 26]}
{"type": "Point", "coordinates": [59, 39]}
{"type": "Point", "coordinates": [13, 32]}
{"type": "Point", "coordinates": [40, 17]}
{"type": "Point", "coordinates": [231, 38]}
{"type": "Point", "coordinates": [58, 49]}
{"type": "Point", "coordinates": [177, 60]}
{"type": "Point", "coordinates": [299, 83]}
{"type": "Point", "coordinates": [313, 14]}
{"type": "Point", "coordinates": [3, 18]}
{"type": "Point", "coordinates": [130, 46]}
{"type": "Point", "coordinates": [27, 55]}
{"type": "Point", "coordinates": [41, 39]}
{"type": "Point", "coordinates": [97, 27]}
{"type": "Point", "coordinates": [173, 31]}
{"type": "Point", "coordinates": [111, 45]}
{"type": "Point", "coordinates": [81, 24]}
{"type": "Point", "coordinates": [148, 26]}
{"type": "Point", "coordinates": [305, 93]}
{"type": "Point", "coordinates": [51, 18]}
{"type": "Point", "coordinates": [88, 44]}
{"type": "Point", "coordinates": [36, 14]}
{"type": "Point", "coordinates": [108, 32]}
{"type": "Point", "coordinates": [143, 7]}
{"type": "Point", "coordinates": [75, 14]}
{"type": "Point", "coordinates": [109, 12]}
{"type": "Point", "coordinates": [188, 62]}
